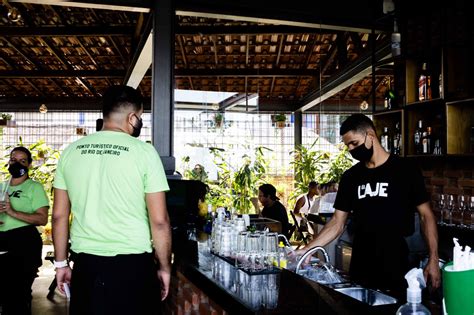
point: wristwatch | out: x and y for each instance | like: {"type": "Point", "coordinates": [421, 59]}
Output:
{"type": "Point", "coordinates": [60, 264]}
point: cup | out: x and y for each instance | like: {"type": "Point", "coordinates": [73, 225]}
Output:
{"type": "Point", "coordinates": [4, 184]}
{"type": "Point", "coordinates": [458, 290]}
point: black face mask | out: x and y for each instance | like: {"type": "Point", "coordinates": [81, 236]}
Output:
{"type": "Point", "coordinates": [361, 153]}
{"type": "Point", "coordinates": [17, 170]}
{"type": "Point", "coordinates": [137, 128]}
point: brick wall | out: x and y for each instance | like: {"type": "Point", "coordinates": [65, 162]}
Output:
{"type": "Point", "coordinates": [187, 299]}
{"type": "Point", "coordinates": [453, 175]}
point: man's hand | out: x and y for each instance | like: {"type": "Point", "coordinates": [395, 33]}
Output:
{"type": "Point", "coordinates": [432, 273]}
{"type": "Point", "coordinates": [164, 278]}
{"type": "Point", "coordinates": [63, 275]}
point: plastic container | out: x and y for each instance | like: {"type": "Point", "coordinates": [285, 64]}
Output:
{"type": "Point", "coordinates": [416, 282]}
{"type": "Point", "coordinates": [282, 257]}
{"type": "Point", "coordinates": [458, 291]}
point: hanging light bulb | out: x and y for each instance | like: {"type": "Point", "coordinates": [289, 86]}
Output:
{"type": "Point", "coordinates": [364, 105]}
{"type": "Point", "coordinates": [14, 14]}
{"type": "Point", "coordinates": [43, 109]}
{"type": "Point", "coordinates": [215, 106]}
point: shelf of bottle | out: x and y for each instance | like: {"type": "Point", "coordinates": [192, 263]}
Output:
{"type": "Point", "coordinates": [387, 111]}
{"type": "Point", "coordinates": [440, 156]}
{"type": "Point", "coordinates": [435, 101]}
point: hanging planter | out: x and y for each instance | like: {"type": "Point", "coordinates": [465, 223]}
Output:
{"type": "Point", "coordinates": [280, 120]}
{"type": "Point", "coordinates": [218, 120]}
{"type": "Point", "coordinates": [5, 119]}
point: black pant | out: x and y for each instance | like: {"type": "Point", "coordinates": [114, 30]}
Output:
{"type": "Point", "coordinates": [122, 284]}
{"type": "Point", "coordinates": [380, 260]}
{"type": "Point", "coordinates": [19, 268]}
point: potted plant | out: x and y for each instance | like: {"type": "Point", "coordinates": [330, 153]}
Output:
{"type": "Point", "coordinates": [218, 120]}
{"type": "Point", "coordinates": [280, 120]}
{"type": "Point", "coordinates": [5, 118]}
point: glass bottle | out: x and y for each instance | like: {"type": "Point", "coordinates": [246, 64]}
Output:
{"type": "Point", "coordinates": [426, 141]}
{"type": "Point", "coordinates": [397, 140]}
{"type": "Point", "coordinates": [424, 84]}
{"type": "Point", "coordinates": [417, 137]}
{"type": "Point", "coordinates": [385, 139]}
{"type": "Point", "coordinates": [389, 96]}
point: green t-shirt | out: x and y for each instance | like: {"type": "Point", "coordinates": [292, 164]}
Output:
{"type": "Point", "coordinates": [27, 197]}
{"type": "Point", "coordinates": [106, 176]}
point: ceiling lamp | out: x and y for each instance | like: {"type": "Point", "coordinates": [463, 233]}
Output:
{"type": "Point", "coordinates": [215, 106]}
{"type": "Point", "coordinates": [13, 14]}
{"type": "Point", "coordinates": [43, 109]}
{"type": "Point", "coordinates": [364, 105]}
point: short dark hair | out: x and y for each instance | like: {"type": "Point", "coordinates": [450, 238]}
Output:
{"type": "Point", "coordinates": [118, 96]}
{"type": "Point", "coordinates": [269, 190]}
{"type": "Point", "coordinates": [24, 150]}
{"type": "Point", "coordinates": [312, 184]}
{"type": "Point", "coordinates": [357, 123]}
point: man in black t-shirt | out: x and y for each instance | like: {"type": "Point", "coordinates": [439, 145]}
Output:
{"type": "Point", "coordinates": [272, 208]}
{"type": "Point", "coordinates": [381, 192]}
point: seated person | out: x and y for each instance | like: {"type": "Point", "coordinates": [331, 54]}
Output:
{"type": "Point", "coordinates": [304, 203]}
{"type": "Point", "coordinates": [272, 208]}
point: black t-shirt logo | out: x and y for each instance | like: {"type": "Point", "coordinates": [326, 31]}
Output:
{"type": "Point", "coordinates": [365, 190]}
{"type": "Point", "coordinates": [15, 194]}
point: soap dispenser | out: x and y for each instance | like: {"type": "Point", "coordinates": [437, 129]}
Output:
{"type": "Point", "coordinates": [415, 281]}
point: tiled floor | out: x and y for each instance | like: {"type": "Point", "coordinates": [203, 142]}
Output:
{"type": "Point", "coordinates": [41, 305]}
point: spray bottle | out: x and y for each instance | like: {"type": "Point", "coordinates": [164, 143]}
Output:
{"type": "Point", "coordinates": [416, 282]}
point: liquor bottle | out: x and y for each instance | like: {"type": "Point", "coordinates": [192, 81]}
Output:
{"type": "Point", "coordinates": [424, 80]}
{"type": "Point", "coordinates": [418, 135]}
{"type": "Point", "coordinates": [426, 141]}
{"type": "Point", "coordinates": [397, 140]}
{"type": "Point", "coordinates": [385, 139]}
{"type": "Point", "coordinates": [389, 96]}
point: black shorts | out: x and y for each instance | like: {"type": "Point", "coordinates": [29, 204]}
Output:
{"type": "Point", "coordinates": [122, 284]}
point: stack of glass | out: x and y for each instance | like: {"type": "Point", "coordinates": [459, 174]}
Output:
{"type": "Point", "coordinates": [255, 251]}
{"type": "Point", "coordinates": [455, 212]}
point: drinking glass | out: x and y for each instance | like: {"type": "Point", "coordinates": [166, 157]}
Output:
{"type": "Point", "coordinates": [270, 249]}
{"type": "Point", "coordinates": [255, 251]}
{"type": "Point", "coordinates": [4, 184]}
{"type": "Point", "coordinates": [241, 255]}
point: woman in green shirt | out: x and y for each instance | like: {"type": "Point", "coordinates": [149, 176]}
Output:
{"type": "Point", "coordinates": [25, 207]}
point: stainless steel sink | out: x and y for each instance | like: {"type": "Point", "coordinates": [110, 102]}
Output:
{"type": "Point", "coordinates": [367, 296]}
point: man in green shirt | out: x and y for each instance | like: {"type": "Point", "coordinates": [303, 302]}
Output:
{"type": "Point", "coordinates": [114, 185]}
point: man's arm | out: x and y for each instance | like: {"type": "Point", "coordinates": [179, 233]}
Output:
{"type": "Point", "coordinates": [332, 230]}
{"type": "Point", "coordinates": [428, 226]}
{"type": "Point", "coordinates": [298, 205]}
{"type": "Point", "coordinates": [161, 234]}
{"type": "Point", "coordinates": [61, 211]}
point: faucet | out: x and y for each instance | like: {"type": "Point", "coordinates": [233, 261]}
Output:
{"type": "Point", "coordinates": [286, 240]}
{"type": "Point", "coordinates": [310, 252]}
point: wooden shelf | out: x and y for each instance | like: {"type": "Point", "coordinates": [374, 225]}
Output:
{"type": "Point", "coordinates": [416, 105]}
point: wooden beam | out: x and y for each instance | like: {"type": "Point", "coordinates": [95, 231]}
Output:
{"type": "Point", "coordinates": [246, 30]}
{"type": "Point", "coordinates": [48, 31]}
{"type": "Point", "coordinates": [277, 62]}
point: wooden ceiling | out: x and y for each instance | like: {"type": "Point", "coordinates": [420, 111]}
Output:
{"type": "Point", "coordinates": [72, 54]}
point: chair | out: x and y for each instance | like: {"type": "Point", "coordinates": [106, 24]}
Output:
{"type": "Point", "coordinates": [299, 230]}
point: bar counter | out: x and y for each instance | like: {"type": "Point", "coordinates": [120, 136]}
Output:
{"type": "Point", "coordinates": [207, 284]}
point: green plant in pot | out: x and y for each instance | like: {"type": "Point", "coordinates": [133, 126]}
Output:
{"type": "Point", "coordinates": [280, 120]}
{"type": "Point", "coordinates": [4, 119]}
{"type": "Point", "coordinates": [218, 119]}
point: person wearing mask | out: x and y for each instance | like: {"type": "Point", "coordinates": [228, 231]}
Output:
{"type": "Point", "coordinates": [114, 186]}
{"type": "Point", "coordinates": [25, 207]}
{"type": "Point", "coordinates": [381, 192]}
{"type": "Point", "coordinates": [272, 207]}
